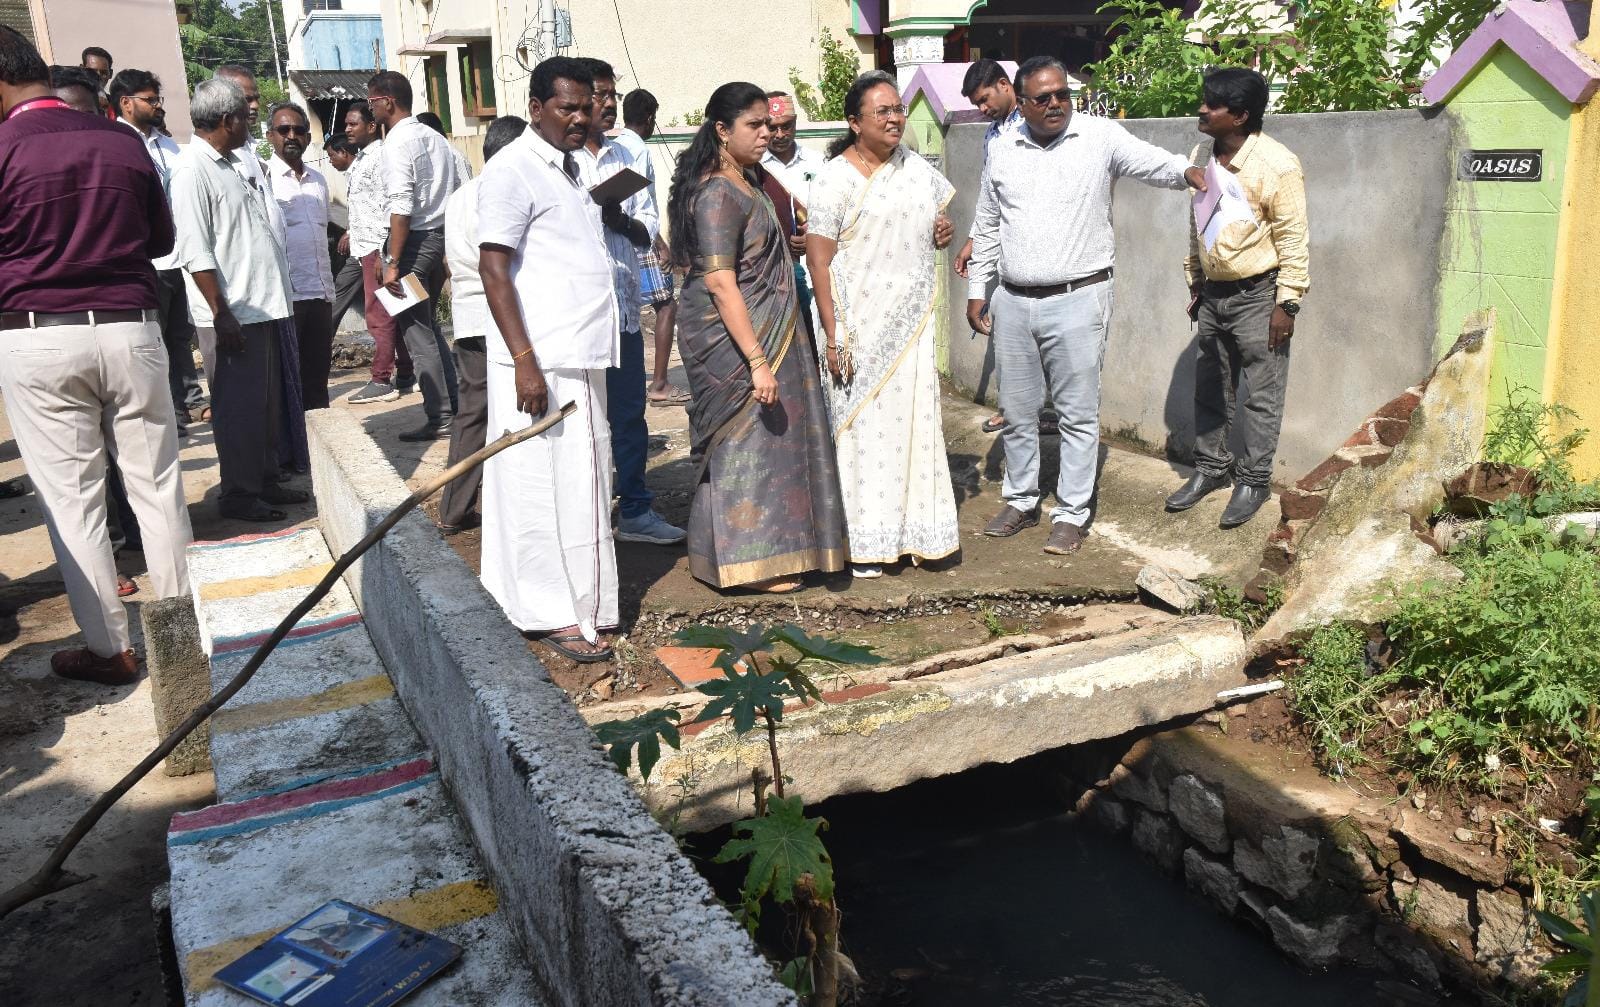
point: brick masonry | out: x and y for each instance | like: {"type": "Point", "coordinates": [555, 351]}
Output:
{"type": "Point", "coordinates": [1369, 446]}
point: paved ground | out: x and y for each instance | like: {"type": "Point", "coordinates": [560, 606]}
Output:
{"type": "Point", "coordinates": [62, 743]}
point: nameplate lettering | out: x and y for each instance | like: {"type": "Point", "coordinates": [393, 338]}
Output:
{"type": "Point", "coordinates": [1501, 166]}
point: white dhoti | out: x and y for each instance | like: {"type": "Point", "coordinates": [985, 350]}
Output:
{"type": "Point", "coordinates": [548, 557]}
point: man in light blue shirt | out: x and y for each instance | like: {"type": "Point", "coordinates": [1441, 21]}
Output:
{"type": "Point", "coordinates": [1045, 200]}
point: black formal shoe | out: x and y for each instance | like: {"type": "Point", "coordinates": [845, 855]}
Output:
{"type": "Point", "coordinates": [427, 432]}
{"type": "Point", "coordinates": [1243, 505]}
{"type": "Point", "coordinates": [1195, 490]}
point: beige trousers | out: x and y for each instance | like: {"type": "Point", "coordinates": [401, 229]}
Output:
{"type": "Point", "coordinates": [73, 392]}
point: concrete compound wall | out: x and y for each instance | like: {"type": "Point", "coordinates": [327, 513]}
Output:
{"type": "Point", "coordinates": [1377, 184]}
{"type": "Point", "coordinates": [607, 909]}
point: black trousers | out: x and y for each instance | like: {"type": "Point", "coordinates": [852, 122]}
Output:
{"type": "Point", "coordinates": [245, 404]}
{"type": "Point", "coordinates": [177, 333]}
{"type": "Point", "coordinates": [313, 324]}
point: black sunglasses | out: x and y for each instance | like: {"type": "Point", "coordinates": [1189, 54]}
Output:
{"type": "Point", "coordinates": [291, 130]}
{"type": "Point", "coordinates": [1064, 96]}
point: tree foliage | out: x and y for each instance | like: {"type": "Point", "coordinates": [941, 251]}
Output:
{"type": "Point", "coordinates": [218, 33]}
{"type": "Point", "coordinates": [1334, 56]}
{"type": "Point", "coordinates": [824, 101]}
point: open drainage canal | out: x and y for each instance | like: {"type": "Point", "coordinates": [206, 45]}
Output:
{"type": "Point", "coordinates": [977, 890]}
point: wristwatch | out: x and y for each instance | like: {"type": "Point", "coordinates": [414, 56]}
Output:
{"type": "Point", "coordinates": [1290, 308]}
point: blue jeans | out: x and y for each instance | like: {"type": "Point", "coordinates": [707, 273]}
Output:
{"type": "Point", "coordinates": [1051, 345]}
{"type": "Point", "coordinates": [630, 438]}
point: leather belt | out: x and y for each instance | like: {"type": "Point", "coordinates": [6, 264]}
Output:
{"type": "Point", "coordinates": [44, 319]}
{"type": "Point", "coordinates": [1227, 288]}
{"type": "Point", "coordinates": [1052, 289]}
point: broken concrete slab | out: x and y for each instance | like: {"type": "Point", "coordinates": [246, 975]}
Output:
{"type": "Point", "coordinates": [1170, 589]}
{"type": "Point", "coordinates": [180, 679]}
{"type": "Point", "coordinates": [386, 839]}
{"type": "Point", "coordinates": [884, 734]}
{"type": "Point", "coordinates": [1363, 541]}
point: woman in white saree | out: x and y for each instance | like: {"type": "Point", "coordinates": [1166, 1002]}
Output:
{"type": "Point", "coordinates": [875, 221]}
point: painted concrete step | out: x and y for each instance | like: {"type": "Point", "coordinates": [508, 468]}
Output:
{"type": "Point", "coordinates": [244, 586]}
{"type": "Point", "coordinates": [323, 702]}
{"type": "Point", "coordinates": [386, 838]}
{"type": "Point", "coordinates": [884, 731]}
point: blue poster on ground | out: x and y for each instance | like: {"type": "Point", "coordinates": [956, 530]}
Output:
{"type": "Point", "coordinates": [340, 955]}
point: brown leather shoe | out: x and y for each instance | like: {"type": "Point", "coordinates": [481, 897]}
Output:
{"type": "Point", "coordinates": [84, 665]}
{"type": "Point", "coordinates": [1065, 539]}
{"type": "Point", "coordinates": [1010, 521]}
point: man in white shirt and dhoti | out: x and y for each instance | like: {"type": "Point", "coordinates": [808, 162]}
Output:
{"type": "Point", "coordinates": [548, 556]}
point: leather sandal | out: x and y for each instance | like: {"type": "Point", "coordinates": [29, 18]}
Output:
{"type": "Point", "coordinates": [1010, 521]}
{"type": "Point", "coordinates": [561, 643]}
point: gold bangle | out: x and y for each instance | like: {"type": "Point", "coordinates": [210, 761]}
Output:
{"type": "Point", "coordinates": [756, 361]}
{"type": "Point", "coordinates": [518, 356]}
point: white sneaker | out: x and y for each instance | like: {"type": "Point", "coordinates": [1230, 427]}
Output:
{"type": "Point", "coordinates": [649, 527]}
{"type": "Point", "coordinates": [866, 571]}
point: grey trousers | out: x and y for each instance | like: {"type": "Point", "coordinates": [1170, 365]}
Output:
{"type": "Point", "coordinates": [245, 403]}
{"type": "Point", "coordinates": [348, 291]}
{"type": "Point", "coordinates": [1233, 346]}
{"type": "Point", "coordinates": [78, 396]}
{"type": "Point", "coordinates": [423, 254]}
{"type": "Point", "coordinates": [1051, 346]}
{"type": "Point", "coordinates": [471, 429]}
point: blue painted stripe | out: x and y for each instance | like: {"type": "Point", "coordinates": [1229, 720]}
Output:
{"type": "Point", "coordinates": [306, 628]}
{"type": "Point", "coordinates": [344, 774]}
{"type": "Point", "coordinates": [298, 814]}
{"type": "Point", "coordinates": [281, 536]}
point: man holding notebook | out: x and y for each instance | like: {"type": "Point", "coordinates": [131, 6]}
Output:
{"type": "Point", "coordinates": [1248, 267]}
{"type": "Point", "coordinates": [630, 222]}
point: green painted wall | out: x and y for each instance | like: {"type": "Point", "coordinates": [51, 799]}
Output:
{"type": "Point", "coordinates": [1500, 237]}
{"type": "Point", "coordinates": [925, 135]}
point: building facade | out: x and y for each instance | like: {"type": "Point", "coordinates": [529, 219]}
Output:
{"type": "Point", "coordinates": [143, 36]}
{"type": "Point", "coordinates": [334, 47]}
{"type": "Point", "coordinates": [468, 60]}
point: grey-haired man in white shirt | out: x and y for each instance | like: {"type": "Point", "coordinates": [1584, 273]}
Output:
{"type": "Point", "coordinates": [1046, 199]}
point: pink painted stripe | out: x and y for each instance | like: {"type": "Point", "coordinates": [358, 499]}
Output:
{"type": "Point", "coordinates": [229, 645]}
{"type": "Point", "coordinates": [264, 536]}
{"type": "Point", "coordinates": [333, 790]}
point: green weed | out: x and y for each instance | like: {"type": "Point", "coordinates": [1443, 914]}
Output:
{"type": "Point", "coordinates": [1335, 696]}
{"type": "Point", "coordinates": [1507, 662]}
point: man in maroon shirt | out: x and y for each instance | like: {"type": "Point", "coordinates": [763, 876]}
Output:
{"type": "Point", "coordinates": [82, 213]}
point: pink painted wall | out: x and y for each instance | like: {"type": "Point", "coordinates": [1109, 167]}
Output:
{"type": "Point", "coordinates": [137, 33]}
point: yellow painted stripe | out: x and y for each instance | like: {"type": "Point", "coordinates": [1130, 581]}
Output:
{"type": "Point", "coordinates": [244, 587]}
{"type": "Point", "coordinates": [340, 697]}
{"type": "Point", "coordinates": [430, 910]}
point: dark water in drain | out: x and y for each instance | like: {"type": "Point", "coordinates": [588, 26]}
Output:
{"type": "Point", "coordinates": [975, 890]}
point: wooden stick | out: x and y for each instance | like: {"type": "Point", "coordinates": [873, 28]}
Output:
{"type": "Point", "coordinates": [50, 877]}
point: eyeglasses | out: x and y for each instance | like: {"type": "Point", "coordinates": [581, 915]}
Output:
{"type": "Point", "coordinates": [601, 97]}
{"type": "Point", "coordinates": [1064, 96]}
{"type": "Point", "coordinates": [889, 112]}
{"type": "Point", "coordinates": [287, 130]}
{"type": "Point", "coordinates": [152, 102]}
